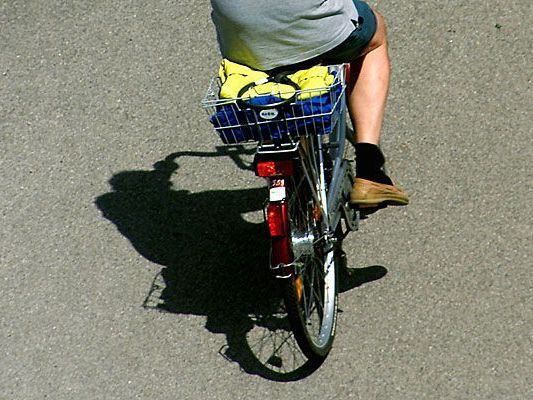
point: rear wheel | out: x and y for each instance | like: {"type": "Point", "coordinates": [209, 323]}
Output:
{"type": "Point", "coordinates": [311, 291]}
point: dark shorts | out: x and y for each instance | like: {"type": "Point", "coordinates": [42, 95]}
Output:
{"type": "Point", "coordinates": [351, 48]}
{"type": "Point", "coordinates": [346, 52]}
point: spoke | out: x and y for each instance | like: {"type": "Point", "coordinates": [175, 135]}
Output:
{"type": "Point", "coordinates": [312, 157]}
{"type": "Point", "coordinates": [312, 178]}
{"type": "Point", "coordinates": [318, 291]}
{"type": "Point", "coordinates": [316, 166]}
{"type": "Point", "coordinates": [314, 175]}
{"type": "Point", "coordinates": [319, 239]}
{"type": "Point", "coordinates": [311, 292]}
{"type": "Point", "coordinates": [304, 296]}
{"type": "Point", "coordinates": [297, 188]}
{"type": "Point", "coordinates": [297, 209]}
{"type": "Point", "coordinates": [320, 268]}
{"type": "Point", "coordinates": [315, 303]}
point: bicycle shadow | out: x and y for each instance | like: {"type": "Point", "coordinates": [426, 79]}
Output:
{"type": "Point", "coordinates": [215, 263]}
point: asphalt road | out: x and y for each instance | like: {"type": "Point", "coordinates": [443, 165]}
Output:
{"type": "Point", "coordinates": [130, 259]}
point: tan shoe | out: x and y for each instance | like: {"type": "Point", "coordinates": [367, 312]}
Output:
{"type": "Point", "coordinates": [367, 193]}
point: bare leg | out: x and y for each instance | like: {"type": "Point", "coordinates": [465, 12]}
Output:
{"type": "Point", "coordinates": [369, 87]}
{"type": "Point", "coordinates": [370, 75]}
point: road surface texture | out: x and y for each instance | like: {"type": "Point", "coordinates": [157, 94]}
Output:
{"type": "Point", "coordinates": [131, 261]}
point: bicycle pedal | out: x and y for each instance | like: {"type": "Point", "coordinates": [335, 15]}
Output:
{"type": "Point", "coordinates": [351, 217]}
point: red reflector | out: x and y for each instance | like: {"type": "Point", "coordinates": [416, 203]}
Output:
{"type": "Point", "coordinates": [275, 168]}
{"type": "Point", "coordinates": [277, 220]}
{"type": "Point", "coordinates": [282, 254]}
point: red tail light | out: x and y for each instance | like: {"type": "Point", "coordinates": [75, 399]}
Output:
{"type": "Point", "coordinates": [274, 168]}
{"type": "Point", "coordinates": [278, 225]}
{"type": "Point", "coordinates": [282, 254]}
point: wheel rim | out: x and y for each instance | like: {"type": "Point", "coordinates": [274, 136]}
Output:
{"type": "Point", "coordinates": [314, 279]}
{"type": "Point", "coordinates": [317, 299]}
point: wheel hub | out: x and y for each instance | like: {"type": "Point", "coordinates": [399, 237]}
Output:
{"type": "Point", "coordinates": [302, 243]}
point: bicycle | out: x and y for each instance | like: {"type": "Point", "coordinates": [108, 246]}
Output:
{"type": "Point", "coordinates": [301, 154]}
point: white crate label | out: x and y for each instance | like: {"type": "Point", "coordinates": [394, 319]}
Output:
{"type": "Point", "coordinates": [269, 114]}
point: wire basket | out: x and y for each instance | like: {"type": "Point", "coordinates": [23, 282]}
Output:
{"type": "Point", "coordinates": [310, 111]}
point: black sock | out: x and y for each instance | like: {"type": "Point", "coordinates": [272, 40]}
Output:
{"type": "Point", "coordinates": [369, 163]}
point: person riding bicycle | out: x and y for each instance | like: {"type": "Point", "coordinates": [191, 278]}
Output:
{"type": "Point", "coordinates": [277, 35]}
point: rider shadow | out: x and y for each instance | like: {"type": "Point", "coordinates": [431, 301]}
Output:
{"type": "Point", "coordinates": [215, 263]}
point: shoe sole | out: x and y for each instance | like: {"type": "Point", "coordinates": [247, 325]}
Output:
{"type": "Point", "coordinates": [379, 202]}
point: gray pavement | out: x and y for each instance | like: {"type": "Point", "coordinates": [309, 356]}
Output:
{"type": "Point", "coordinates": [130, 259]}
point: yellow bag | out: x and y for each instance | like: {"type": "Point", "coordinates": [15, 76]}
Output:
{"type": "Point", "coordinates": [234, 77]}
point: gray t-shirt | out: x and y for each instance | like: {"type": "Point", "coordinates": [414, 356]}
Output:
{"type": "Point", "coordinates": [266, 34]}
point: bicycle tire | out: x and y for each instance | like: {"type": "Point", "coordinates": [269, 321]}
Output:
{"type": "Point", "coordinates": [310, 294]}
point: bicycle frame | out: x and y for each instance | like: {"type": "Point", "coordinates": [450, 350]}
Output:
{"type": "Point", "coordinates": [275, 162]}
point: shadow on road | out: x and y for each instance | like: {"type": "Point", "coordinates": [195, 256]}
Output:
{"type": "Point", "coordinates": [215, 263]}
